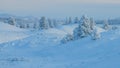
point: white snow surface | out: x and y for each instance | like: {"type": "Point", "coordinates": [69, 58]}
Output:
{"type": "Point", "coordinates": [7, 27]}
{"type": "Point", "coordinates": [68, 28]}
{"type": "Point", "coordinates": [42, 49]}
{"type": "Point", "coordinates": [10, 33]}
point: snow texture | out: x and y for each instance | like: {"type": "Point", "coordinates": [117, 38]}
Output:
{"type": "Point", "coordinates": [21, 48]}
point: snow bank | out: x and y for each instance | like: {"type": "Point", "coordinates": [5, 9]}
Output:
{"type": "Point", "coordinates": [10, 33]}
{"type": "Point", "coordinates": [68, 28]}
{"type": "Point", "coordinates": [7, 27]}
{"type": "Point", "coordinates": [82, 53]}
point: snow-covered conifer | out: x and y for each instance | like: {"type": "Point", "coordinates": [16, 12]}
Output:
{"type": "Point", "coordinates": [27, 26]}
{"type": "Point", "coordinates": [67, 38]}
{"type": "Point", "coordinates": [55, 23]}
{"type": "Point", "coordinates": [43, 24]}
{"type": "Point", "coordinates": [70, 20]}
{"type": "Point", "coordinates": [51, 24]}
{"type": "Point", "coordinates": [106, 25]}
{"type": "Point", "coordinates": [83, 29]}
{"type": "Point", "coordinates": [76, 20]}
{"type": "Point", "coordinates": [11, 21]}
{"type": "Point", "coordinates": [96, 34]}
{"type": "Point", "coordinates": [92, 24]}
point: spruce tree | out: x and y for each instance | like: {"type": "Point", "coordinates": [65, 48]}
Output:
{"type": "Point", "coordinates": [83, 29]}
{"type": "Point", "coordinates": [106, 25]}
{"type": "Point", "coordinates": [43, 24]}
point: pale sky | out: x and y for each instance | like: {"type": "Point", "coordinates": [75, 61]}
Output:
{"type": "Point", "coordinates": [62, 8]}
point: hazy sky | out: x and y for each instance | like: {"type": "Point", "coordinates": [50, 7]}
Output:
{"type": "Point", "coordinates": [98, 9]}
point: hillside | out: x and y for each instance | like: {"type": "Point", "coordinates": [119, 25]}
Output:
{"type": "Point", "coordinates": [10, 33]}
{"type": "Point", "coordinates": [42, 49]}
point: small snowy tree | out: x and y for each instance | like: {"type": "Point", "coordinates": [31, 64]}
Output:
{"type": "Point", "coordinates": [22, 26]}
{"type": "Point", "coordinates": [43, 23]}
{"type": "Point", "coordinates": [96, 34]}
{"type": "Point", "coordinates": [106, 25]}
{"type": "Point", "coordinates": [67, 38]}
{"type": "Point", "coordinates": [11, 21]}
{"type": "Point", "coordinates": [55, 23]}
{"type": "Point", "coordinates": [77, 33]}
{"type": "Point", "coordinates": [76, 20]}
{"type": "Point", "coordinates": [82, 19]}
{"type": "Point", "coordinates": [51, 24]}
{"type": "Point", "coordinates": [66, 21]}
{"type": "Point", "coordinates": [70, 20]}
{"type": "Point", "coordinates": [92, 24]}
{"type": "Point", "coordinates": [114, 27]}
{"type": "Point", "coordinates": [35, 25]}
{"type": "Point", "coordinates": [27, 26]}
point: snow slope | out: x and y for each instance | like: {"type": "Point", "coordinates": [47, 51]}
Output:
{"type": "Point", "coordinates": [10, 33]}
{"type": "Point", "coordinates": [42, 50]}
{"type": "Point", "coordinates": [7, 27]}
{"type": "Point", "coordinates": [68, 28]}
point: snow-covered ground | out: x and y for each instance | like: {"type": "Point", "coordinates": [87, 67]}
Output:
{"type": "Point", "coordinates": [42, 49]}
{"type": "Point", "coordinates": [10, 33]}
{"type": "Point", "coordinates": [68, 28]}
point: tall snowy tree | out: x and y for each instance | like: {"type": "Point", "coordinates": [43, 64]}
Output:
{"type": "Point", "coordinates": [106, 25]}
{"type": "Point", "coordinates": [77, 33]}
{"type": "Point", "coordinates": [11, 21]}
{"type": "Point", "coordinates": [67, 38]}
{"type": "Point", "coordinates": [92, 24]}
{"type": "Point", "coordinates": [51, 23]}
{"type": "Point", "coordinates": [96, 34]}
{"type": "Point", "coordinates": [55, 23]}
{"type": "Point", "coordinates": [70, 20]}
{"type": "Point", "coordinates": [83, 29]}
{"type": "Point", "coordinates": [43, 24]}
{"type": "Point", "coordinates": [66, 21]}
{"type": "Point", "coordinates": [27, 26]}
{"type": "Point", "coordinates": [35, 25]}
{"type": "Point", "coordinates": [22, 26]}
{"type": "Point", "coordinates": [76, 20]}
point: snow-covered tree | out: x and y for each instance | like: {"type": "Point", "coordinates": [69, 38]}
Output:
{"type": "Point", "coordinates": [27, 26]}
{"type": "Point", "coordinates": [66, 21]}
{"type": "Point", "coordinates": [35, 25]}
{"type": "Point", "coordinates": [55, 23]}
{"type": "Point", "coordinates": [92, 24]}
{"type": "Point", "coordinates": [76, 20]}
{"type": "Point", "coordinates": [51, 24]}
{"type": "Point", "coordinates": [96, 34]}
{"type": "Point", "coordinates": [84, 17]}
{"type": "Point", "coordinates": [106, 25]}
{"type": "Point", "coordinates": [11, 21]}
{"type": "Point", "coordinates": [67, 38]}
{"type": "Point", "coordinates": [114, 27]}
{"type": "Point", "coordinates": [83, 29]}
{"type": "Point", "coordinates": [43, 24]}
{"type": "Point", "coordinates": [70, 20]}
{"type": "Point", "coordinates": [77, 33]}
{"type": "Point", "coordinates": [94, 31]}
{"type": "Point", "coordinates": [22, 26]}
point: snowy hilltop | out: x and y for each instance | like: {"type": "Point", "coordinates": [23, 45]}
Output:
{"type": "Point", "coordinates": [29, 42]}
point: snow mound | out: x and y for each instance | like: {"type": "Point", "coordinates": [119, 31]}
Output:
{"type": "Point", "coordinates": [68, 28]}
{"type": "Point", "coordinates": [82, 53]}
{"type": "Point", "coordinates": [7, 27]}
{"type": "Point", "coordinates": [10, 33]}
{"type": "Point", "coordinates": [100, 30]}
